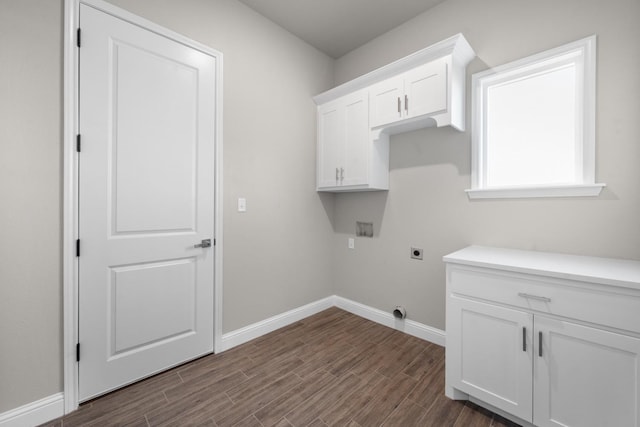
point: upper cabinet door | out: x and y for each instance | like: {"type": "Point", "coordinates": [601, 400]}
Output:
{"type": "Point", "coordinates": [386, 100]}
{"type": "Point", "coordinates": [426, 89]}
{"type": "Point", "coordinates": [354, 170]}
{"type": "Point", "coordinates": [330, 144]}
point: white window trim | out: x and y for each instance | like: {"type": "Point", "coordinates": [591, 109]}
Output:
{"type": "Point", "coordinates": [584, 48]}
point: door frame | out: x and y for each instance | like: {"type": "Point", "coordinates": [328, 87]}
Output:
{"type": "Point", "coordinates": [71, 181]}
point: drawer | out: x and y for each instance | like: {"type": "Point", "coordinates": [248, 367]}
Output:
{"type": "Point", "coordinates": [603, 305]}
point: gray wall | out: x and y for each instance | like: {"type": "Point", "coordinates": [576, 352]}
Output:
{"type": "Point", "coordinates": [277, 255]}
{"type": "Point", "coordinates": [30, 200]}
{"type": "Point", "coordinates": [430, 169]}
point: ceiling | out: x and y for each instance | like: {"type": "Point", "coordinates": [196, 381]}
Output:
{"type": "Point", "coordinates": [338, 26]}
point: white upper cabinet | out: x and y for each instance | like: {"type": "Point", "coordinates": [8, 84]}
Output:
{"type": "Point", "coordinates": [419, 92]}
{"type": "Point", "coordinates": [426, 88]}
{"type": "Point", "coordinates": [347, 160]}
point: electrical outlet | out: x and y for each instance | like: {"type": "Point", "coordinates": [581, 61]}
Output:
{"type": "Point", "coordinates": [351, 243]}
{"type": "Point", "coordinates": [416, 253]}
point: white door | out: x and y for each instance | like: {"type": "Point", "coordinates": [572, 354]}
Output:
{"type": "Point", "coordinates": [585, 376]}
{"type": "Point", "coordinates": [356, 147]}
{"type": "Point", "coordinates": [491, 354]}
{"type": "Point", "coordinates": [146, 196]}
{"type": "Point", "coordinates": [426, 89]}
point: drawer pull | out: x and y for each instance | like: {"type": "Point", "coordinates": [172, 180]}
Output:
{"type": "Point", "coordinates": [539, 344]}
{"type": "Point", "coordinates": [535, 297]}
{"type": "Point", "coordinates": [524, 339]}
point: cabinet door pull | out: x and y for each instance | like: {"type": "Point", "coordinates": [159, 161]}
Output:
{"type": "Point", "coordinates": [341, 175]}
{"type": "Point", "coordinates": [539, 344]}
{"type": "Point", "coordinates": [535, 297]}
{"type": "Point", "coordinates": [406, 103]}
{"type": "Point", "coordinates": [524, 339]}
{"type": "Point", "coordinates": [399, 106]}
{"type": "Point", "coordinates": [337, 175]}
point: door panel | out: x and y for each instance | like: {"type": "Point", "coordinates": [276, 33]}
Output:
{"type": "Point", "coordinates": [146, 196]}
{"type": "Point", "coordinates": [585, 376]}
{"type": "Point", "coordinates": [155, 100]}
{"type": "Point", "coordinates": [166, 290]}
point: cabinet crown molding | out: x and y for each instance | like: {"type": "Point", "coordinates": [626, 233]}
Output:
{"type": "Point", "coordinates": [456, 45]}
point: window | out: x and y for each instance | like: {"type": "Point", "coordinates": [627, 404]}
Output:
{"type": "Point", "coordinates": [534, 126]}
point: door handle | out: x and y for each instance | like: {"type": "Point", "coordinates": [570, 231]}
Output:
{"type": "Point", "coordinates": [535, 297]}
{"type": "Point", "coordinates": [524, 339]}
{"type": "Point", "coordinates": [205, 243]}
{"type": "Point", "coordinates": [540, 344]}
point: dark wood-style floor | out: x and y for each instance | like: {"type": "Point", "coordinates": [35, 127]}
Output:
{"type": "Point", "coordinates": [331, 369]}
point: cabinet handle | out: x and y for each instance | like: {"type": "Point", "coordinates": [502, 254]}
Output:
{"type": "Point", "coordinates": [406, 103]}
{"type": "Point", "coordinates": [337, 175]}
{"type": "Point", "coordinates": [399, 106]}
{"type": "Point", "coordinates": [341, 175]}
{"type": "Point", "coordinates": [535, 297]}
{"type": "Point", "coordinates": [524, 339]}
{"type": "Point", "coordinates": [539, 344]}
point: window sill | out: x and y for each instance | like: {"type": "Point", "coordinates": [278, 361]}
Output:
{"type": "Point", "coordinates": [583, 190]}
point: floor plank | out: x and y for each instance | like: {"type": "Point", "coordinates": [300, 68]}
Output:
{"type": "Point", "coordinates": [330, 369]}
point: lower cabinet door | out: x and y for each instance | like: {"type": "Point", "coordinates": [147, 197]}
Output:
{"type": "Point", "coordinates": [490, 352]}
{"type": "Point", "coordinates": [585, 376]}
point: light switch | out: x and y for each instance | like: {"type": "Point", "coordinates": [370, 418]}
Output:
{"type": "Point", "coordinates": [242, 204]}
{"type": "Point", "coordinates": [352, 243]}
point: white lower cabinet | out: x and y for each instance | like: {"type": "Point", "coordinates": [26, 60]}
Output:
{"type": "Point", "coordinates": [538, 345]}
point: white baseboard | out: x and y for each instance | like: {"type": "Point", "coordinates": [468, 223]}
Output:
{"type": "Point", "coordinates": [411, 327]}
{"type": "Point", "coordinates": [34, 413]}
{"type": "Point", "coordinates": [243, 335]}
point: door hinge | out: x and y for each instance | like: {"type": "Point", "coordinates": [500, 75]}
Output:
{"type": "Point", "coordinates": [77, 247]}
{"type": "Point", "coordinates": [78, 143]}
{"type": "Point", "coordinates": [77, 352]}
{"type": "Point", "coordinates": [78, 37]}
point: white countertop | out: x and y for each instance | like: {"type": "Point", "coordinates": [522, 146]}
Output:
{"type": "Point", "coordinates": [609, 271]}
